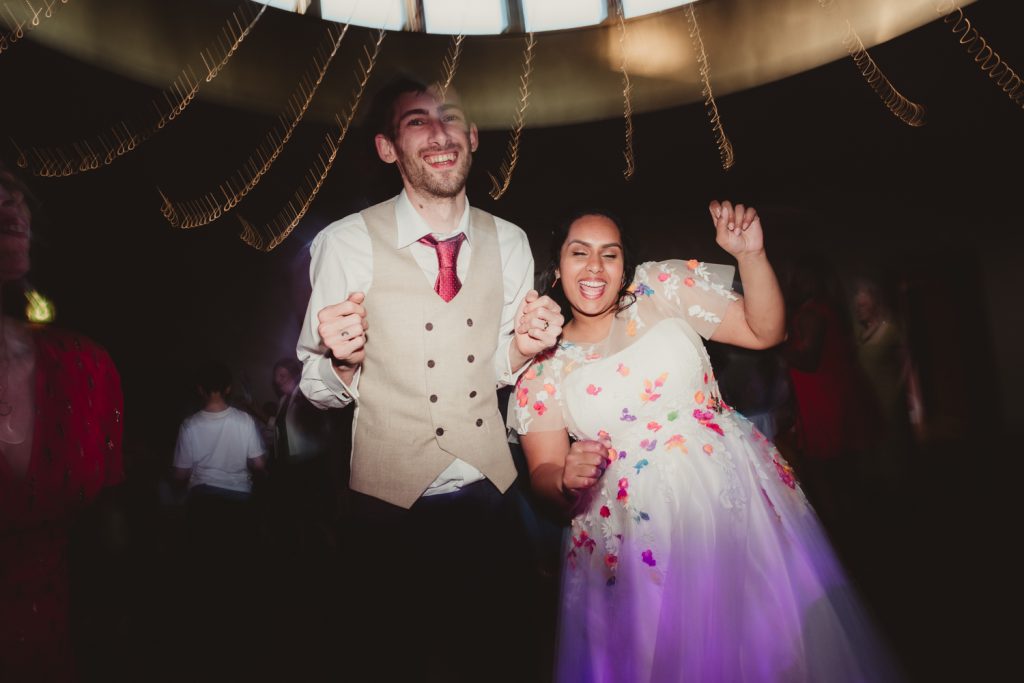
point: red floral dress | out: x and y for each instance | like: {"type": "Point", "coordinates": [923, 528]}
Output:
{"type": "Point", "coordinates": [76, 451]}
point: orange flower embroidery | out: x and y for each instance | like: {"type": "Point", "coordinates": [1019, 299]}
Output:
{"type": "Point", "coordinates": [521, 396]}
{"type": "Point", "coordinates": [650, 387]}
{"type": "Point", "coordinates": [699, 397]}
{"type": "Point", "coordinates": [688, 282]}
{"type": "Point", "coordinates": [693, 264]}
{"type": "Point", "coordinates": [631, 328]}
{"type": "Point", "coordinates": [709, 449]}
{"type": "Point", "coordinates": [676, 441]}
{"type": "Point", "coordinates": [622, 370]}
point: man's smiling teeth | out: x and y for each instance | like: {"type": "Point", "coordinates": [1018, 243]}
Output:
{"type": "Point", "coordinates": [441, 158]}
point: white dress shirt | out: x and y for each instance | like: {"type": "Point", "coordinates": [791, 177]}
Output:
{"type": "Point", "coordinates": [342, 263]}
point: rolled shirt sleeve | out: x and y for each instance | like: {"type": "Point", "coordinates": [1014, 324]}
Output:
{"type": "Point", "coordinates": [340, 263]}
{"type": "Point", "coordinates": [518, 279]}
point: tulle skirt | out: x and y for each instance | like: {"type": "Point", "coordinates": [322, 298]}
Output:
{"type": "Point", "coordinates": [705, 567]}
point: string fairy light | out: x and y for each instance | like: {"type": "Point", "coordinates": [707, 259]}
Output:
{"type": "Point", "coordinates": [498, 189]}
{"type": "Point", "coordinates": [123, 137]}
{"type": "Point", "coordinates": [627, 98]}
{"type": "Point", "coordinates": [725, 149]}
{"type": "Point", "coordinates": [900, 106]}
{"type": "Point", "coordinates": [194, 213]}
{"type": "Point", "coordinates": [273, 234]}
{"type": "Point", "coordinates": [450, 65]}
{"type": "Point", "coordinates": [987, 59]}
{"type": "Point", "coordinates": [18, 28]}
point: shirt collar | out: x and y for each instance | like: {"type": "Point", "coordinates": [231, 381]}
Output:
{"type": "Point", "coordinates": [411, 225]}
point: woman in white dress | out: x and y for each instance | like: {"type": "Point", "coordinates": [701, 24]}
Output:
{"type": "Point", "coordinates": [693, 555]}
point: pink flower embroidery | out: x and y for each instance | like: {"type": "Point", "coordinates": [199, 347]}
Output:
{"type": "Point", "coordinates": [648, 558]}
{"type": "Point", "coordinates": [593, 391]}
{"type": "Point", "coordinates": [540, 408]}
{"type": "Point", "coordinates": [624, 483]}
{"type": "Point", "coordinates": [623, 496]}
{"type": "Point", "coordinates": [648, 444]}
{"type": "Point", "coordinates": [705, 417]}
{"type": "Point", "coordinates": [584, 541]}
{"type": "Point", "coordinates": [622, 370]}
{"type": "Point", "coordinates": [611, 560]}
{"type": "Point", "coordinates": [605, 512]}
{"type": "Point", "coordinates": [653, 426]}
{"type": "Point", "coordinates": [663, 276]}
{"type": "Point", "coordinates": [688, 282]}
{"type": "Point", "coordinates": [785, 472]}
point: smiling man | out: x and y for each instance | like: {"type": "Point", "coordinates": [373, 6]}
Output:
{"type": "Point", "coordinates": [421, 307]}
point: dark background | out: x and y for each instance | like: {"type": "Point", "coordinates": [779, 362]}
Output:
{"type": "Point", "coordinates": [936, 209]}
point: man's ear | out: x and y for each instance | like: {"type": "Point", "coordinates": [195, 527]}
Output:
{"type": "Point", "coordinates": [385, 148]}
{"type": "Point", "coordinates": [474, 138]}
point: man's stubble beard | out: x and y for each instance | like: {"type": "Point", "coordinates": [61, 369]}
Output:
{"type": "Point", "coordinates": [439, 188]}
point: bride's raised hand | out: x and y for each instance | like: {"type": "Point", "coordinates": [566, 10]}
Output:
{"type": "Point", "coordinates": [737, 228]}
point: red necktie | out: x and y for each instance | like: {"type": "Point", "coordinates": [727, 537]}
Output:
{"type": "Point", "coordinates": [447, 284]}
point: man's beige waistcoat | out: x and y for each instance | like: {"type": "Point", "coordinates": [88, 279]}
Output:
{"type": "Point", "coordinates": [427, 386]}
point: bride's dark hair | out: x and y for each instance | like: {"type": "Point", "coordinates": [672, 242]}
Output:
{"type": "Point", "coordinates": [549, 282]}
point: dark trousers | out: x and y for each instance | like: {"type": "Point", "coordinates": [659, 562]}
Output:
{"type": "Point", "coordinates": [220, 600]}
{"type": "Point", "coordinates": [443, 591]}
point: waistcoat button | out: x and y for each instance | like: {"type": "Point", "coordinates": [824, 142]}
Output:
{"type": "Point", "coordinates": [439, 431]}
{"type": "Point", "coordinates": [429, 326]}
{"type": "Point", "coordinates": [472, 394]}
{"type": "Point", "coordinates": [433, 398]}
{"type": "Point", "coordinates": [479, 422]}
{"type": "Point", "coordinates": [469, 322]}
{"type": "Point", "coordinates": [471, 358]}
{"type": "Point", "coordinates": [430, 363]}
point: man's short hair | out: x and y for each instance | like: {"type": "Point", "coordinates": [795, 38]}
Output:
{"type": "Point", "coordinates": [381, 118]}
{"type": "Point", "coordinates": [291, 364]}
{"type": "Point", "coordinates": [213, 376]}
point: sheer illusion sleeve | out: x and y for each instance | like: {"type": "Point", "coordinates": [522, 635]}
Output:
{"type": "Point", "coordinates": [695, 291]}
{"type": "Point", "coordinates": [536, 404]}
